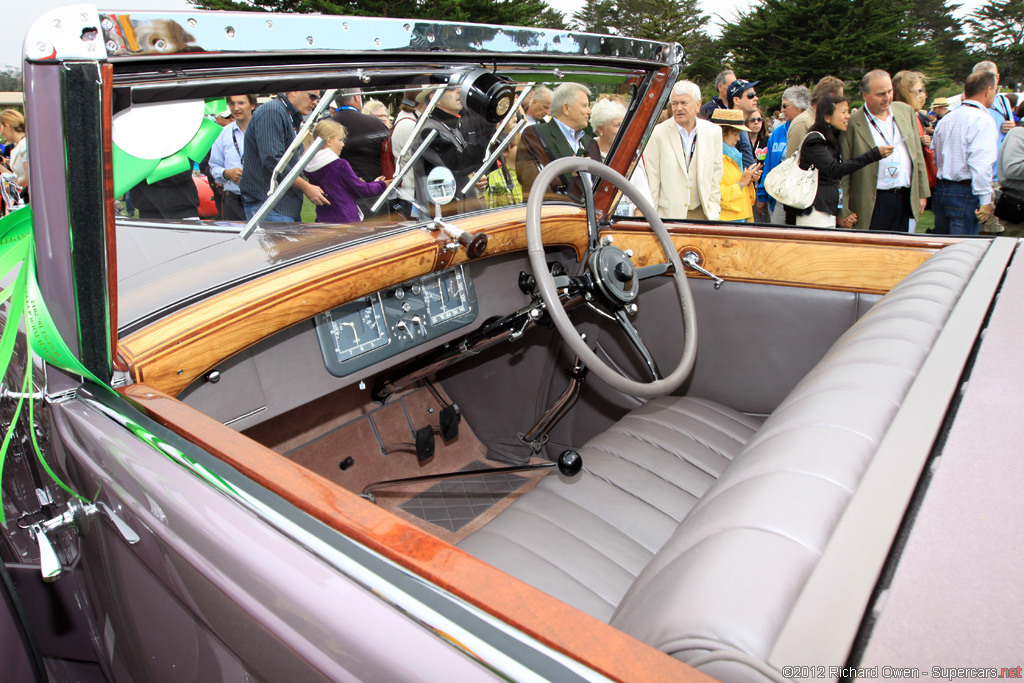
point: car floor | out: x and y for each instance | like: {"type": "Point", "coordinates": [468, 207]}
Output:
{"type": "Point", "coordinates": [379, 439]}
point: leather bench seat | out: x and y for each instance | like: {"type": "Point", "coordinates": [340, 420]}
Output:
{"type": "Point", "coordinates": [696, 535]}
{"type": "Point", "coordinates": [585, 539]}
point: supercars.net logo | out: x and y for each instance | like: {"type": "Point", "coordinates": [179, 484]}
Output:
{"type": "Point", "coordinates": [938, 673]}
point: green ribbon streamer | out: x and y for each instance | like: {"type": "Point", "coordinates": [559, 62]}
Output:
{"type": "Point", "coordinates": [17, 251]}
{"type": "Point", "coordinates": [130, 170]}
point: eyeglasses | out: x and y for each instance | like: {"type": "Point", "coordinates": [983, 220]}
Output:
{"type": "Point", "coordinates": [383, 117]}
{"type": "Point", "coordinates": [754, 120]}
{"type": "Point", "coordinates": [313, 96]}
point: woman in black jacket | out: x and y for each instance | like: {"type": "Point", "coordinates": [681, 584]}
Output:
{"type": "Point", "coordinates": [821, 149]}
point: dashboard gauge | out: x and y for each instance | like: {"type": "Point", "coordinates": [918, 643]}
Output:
{"type": "Point", "coordinates": [367, 331]}
{"type": "Point", "coordinates": [355, 328]}
{"type": "Point", "coordinates": [446, 295]}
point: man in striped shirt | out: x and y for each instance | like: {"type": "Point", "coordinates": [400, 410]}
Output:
{"type": "Point", "coordinates": [965, 151]}
{"type": "Point", "coordinates": [272, 128]}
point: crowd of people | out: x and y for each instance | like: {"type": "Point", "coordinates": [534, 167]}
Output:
{"type": "Point", "coordinates": [879, 166]}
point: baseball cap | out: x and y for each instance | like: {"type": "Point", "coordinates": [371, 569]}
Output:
{"type": "Point", "coordinates": [737, 87]}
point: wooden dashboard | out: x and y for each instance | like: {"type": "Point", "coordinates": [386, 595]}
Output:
{"type": "Point", "coordinates": [172, 352]}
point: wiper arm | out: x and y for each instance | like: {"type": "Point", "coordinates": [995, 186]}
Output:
{"type": "Point", "coordinates": [310, 121]}
{"type": "Point", "coordinates": [276, 191]}
{"type": "Point", "coordinates": [268, 206]}
{"type": "Point", "coordinates": [493, 155]}
{"type": "Point", "coordinates": [511, 112]}
{"type": "Point", "coordinates": [405, 170]}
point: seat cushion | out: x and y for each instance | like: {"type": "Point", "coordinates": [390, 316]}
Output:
{"type": "Point", "coordinates": [585, 539]}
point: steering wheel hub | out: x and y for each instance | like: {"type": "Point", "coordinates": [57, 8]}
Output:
{"type": "Point", "coordinates": [614, 275]}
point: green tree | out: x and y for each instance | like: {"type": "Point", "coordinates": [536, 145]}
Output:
{"type": "Point", "coordinates": [669, 21]}
{"type": "Point", "coordinates": [997, 29]}
{"type": "Point", "coordinates": [597, 16]}
{"type": "Point", "coordinates": [786, 42]}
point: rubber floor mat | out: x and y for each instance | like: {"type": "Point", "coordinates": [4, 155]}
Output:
{"type": "Point", "coordinates": [455, 503]}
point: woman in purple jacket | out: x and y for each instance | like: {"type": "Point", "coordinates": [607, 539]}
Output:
{"type": "Point", "coordinates": [336, 177]}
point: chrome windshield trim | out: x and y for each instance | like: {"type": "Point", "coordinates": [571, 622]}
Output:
{"type": "Point", "coordinates": [206, 34]}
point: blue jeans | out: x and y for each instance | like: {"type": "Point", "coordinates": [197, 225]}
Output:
{"type": "Point", "coordinates": [274, 216]}
{"type": "Point", "coordinates": [954, 205]}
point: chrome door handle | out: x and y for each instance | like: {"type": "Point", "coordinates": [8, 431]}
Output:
{"type": "Point", "coordinates": [73, 518]}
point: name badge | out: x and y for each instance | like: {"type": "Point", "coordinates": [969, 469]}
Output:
{"type": "Point", "coordinates": [890, 172]}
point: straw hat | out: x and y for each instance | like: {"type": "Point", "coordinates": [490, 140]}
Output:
{"type": "Point", "coordinates": [729, 117]}
{"type": "Point", "coordinates": [940, 102]}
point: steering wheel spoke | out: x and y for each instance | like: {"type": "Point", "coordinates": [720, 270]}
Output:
{"type": "Point", "coordinates": [638, 343]}
{"type": "Point", "coordinates": [654, 270]}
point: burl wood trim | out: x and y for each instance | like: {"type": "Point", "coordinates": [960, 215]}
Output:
{"type": "Point", "coordinates": [565, 629]}
{"type": "Point", "coordinates": [173, 352]}
{"type": "Point", "coordinates": [870, 264]}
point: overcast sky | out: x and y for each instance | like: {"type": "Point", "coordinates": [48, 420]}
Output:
{"type": "Point", "coordinates": [20, 14]}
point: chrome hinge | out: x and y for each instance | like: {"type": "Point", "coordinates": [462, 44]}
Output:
{"type": "Point", "coordinates": [74, 518]}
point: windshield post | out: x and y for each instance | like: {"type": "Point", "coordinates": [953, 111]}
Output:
{"type": "Point", "coordinates": [268, 206]}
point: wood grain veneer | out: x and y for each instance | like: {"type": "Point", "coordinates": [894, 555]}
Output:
{"type": "Point", "coordinates": [793, 258]}
{"type": "Point", "coordinates": [173, 352]}
{"type": "Point", "coordinates": [552, 622]}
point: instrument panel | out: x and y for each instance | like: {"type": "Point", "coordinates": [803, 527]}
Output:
{"type": "Point", "coordinates": [374, 328]}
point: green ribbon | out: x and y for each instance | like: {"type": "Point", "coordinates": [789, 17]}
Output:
{"type": "Point", "coordinates": [130, 170]}
{"type": "Point", "coordinates": [26, 308]}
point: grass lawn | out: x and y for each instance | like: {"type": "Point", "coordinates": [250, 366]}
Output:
{"type": "Point", "coordinates": [308, 211]}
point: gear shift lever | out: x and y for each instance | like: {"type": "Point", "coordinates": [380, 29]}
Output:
{"type": "Point", "coordinates": [569, 463]}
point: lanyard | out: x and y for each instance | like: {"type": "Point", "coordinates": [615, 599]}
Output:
{"type": "Point", "coordinates": [234, 141]}
{"type": "Point", "coordinates": [871, 120]}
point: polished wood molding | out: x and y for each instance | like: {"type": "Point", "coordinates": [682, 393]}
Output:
{"type": "Point", "coordinates": [173, 352]}
{"type": "Point", "coordinates": [595, 644]}
{"type": "Point", "coordinates": [854, 262]}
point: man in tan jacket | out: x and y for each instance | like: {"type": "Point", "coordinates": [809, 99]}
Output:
{"type": "Point", "coordinates": [683, 160]}
{"type": "Point", "coordinates": [884, 195]}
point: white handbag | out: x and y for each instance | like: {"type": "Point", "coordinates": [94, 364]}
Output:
{"type": "Point", "coordinates": [792, 185]}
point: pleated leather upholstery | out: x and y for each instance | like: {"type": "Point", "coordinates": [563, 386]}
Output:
{"type": "Point", "coordinates": [585, 539]}
{"type": "Point", "coordinates": [694, 528]}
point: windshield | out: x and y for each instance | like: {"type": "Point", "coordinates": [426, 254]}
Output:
{"type": "Point", "coordinates": [284, 151]}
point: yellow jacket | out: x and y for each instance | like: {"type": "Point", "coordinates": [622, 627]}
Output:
{"type": "Point", "coordinates": [737, 202]}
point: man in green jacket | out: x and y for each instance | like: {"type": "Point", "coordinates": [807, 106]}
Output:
{"type": "Point", "coordinates": [565, 135]}
{"type": "Point", "coordinates": [887, 194]}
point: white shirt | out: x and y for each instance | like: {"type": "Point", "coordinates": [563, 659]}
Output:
{"type": "Point", "coordinates": [19, 155]}
{"type": "Point", "coordinates": [688, 137]}
{"type": "Point", "coordinates": [888, 133]}
{"type": "Point", "coordinates": [573, 137]}
{"type": "Point", "coordinates": [227, 153]}
{"type": "Point", "coordinates": [965, 148]}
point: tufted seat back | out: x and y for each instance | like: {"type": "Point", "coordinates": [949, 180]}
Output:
{"type": "Point", "coordinates": [718, 591]}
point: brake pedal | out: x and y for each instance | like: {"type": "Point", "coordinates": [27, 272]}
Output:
{"type": "Point", "coordinates": [450, 418]}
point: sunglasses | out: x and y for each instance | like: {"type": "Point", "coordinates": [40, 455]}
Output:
{"type": "Point", "coordinates": [313, 96]}
{"type": "Point", "coordinates": [750, 95]}
{"type": "Point", "coordinates": [754, 120]}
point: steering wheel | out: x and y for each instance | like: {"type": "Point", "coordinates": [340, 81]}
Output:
{"type": "Point", "coordinates": [610, 279]}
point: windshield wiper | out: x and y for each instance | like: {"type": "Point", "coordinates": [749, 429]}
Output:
{"type": "Point", "coordinates": [277, 191]}
{"type": "Point", "coordinates": [403, 171]}
{"type": "Point", "coordinates": [493, 155]}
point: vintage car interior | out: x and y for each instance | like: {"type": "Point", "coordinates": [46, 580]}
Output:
{"type": "Point", "coordinates": [684, 429]}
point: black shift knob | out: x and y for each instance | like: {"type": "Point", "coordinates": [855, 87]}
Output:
{"type": "Point", "coordinates": [570, 463]}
